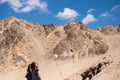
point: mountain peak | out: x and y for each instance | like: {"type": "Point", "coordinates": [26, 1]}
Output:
{"type": "Point", "coordinates": [10, 18]}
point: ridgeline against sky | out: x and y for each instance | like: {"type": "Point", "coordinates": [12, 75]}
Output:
{"type": "Point", "coordinates": [94, 13]}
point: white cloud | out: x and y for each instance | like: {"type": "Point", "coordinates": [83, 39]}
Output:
{"type": "Point", "coordinates": [90, 10]}
{"type": "Point", "coordinates": [116, 8]}
{"type": "Point", "coordinates": [67, 14]}
{"type": "Point", "coordinates": [2, 1]}
{"type": "Point", "coordinates": [26, 5]}
{"type": "Point", "coordinates": [27, 9]}
{"type": "Point", "coordinates": [88, 19]}
{"type": "Point", "coordinates": [105, 14]}
{"type": "Point", "coordinates": [108, 16]}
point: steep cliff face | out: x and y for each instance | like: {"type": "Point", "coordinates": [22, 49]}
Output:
{"type": "Point", "coordinates": [22, 42]}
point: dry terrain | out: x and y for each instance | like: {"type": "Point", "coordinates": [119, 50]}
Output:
{"type": "Point", "coordinates": [69, 52]}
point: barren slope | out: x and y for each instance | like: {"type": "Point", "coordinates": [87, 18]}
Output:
{"type": "Point", "coordinates": [69, 52]}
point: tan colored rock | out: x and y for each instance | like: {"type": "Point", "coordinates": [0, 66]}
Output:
{"type": "Point", "coordinates": [71, 51]}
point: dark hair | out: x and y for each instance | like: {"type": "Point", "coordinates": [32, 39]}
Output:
{"type": "Point", "coordinates": [31, 67]}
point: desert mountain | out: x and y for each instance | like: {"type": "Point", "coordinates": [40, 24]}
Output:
{"type": "Point", "coordinates": [22, 42]}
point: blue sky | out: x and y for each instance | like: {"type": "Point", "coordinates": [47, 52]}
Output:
{"type": "Point", "coordinates": [94, 13]}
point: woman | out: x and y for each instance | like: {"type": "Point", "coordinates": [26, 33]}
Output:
{"type": "Point", "coordinates": [32, 72]}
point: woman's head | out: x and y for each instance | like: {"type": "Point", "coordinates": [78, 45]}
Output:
{"type": "Point", "coordinates": [32, 66]}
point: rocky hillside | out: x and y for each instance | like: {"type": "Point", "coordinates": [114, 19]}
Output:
{"type": "Point", "coordinates": [22, 42]}
{"type": "Point", "coordinates": [19, 40]}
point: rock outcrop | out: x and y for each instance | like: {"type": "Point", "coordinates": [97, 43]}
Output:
{"type": "Point", "coordinates": [110, 29]}
{"type": "Point", "coordinates": [80, 40]}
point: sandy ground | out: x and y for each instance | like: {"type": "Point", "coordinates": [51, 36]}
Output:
{"type": "Point", "coordinates": [61, 69]}
{"type": "Point", "coordinates": [52, 69]}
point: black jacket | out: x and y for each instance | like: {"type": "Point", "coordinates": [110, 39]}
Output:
{"type": "Point", "coordinates": [33, 75]}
